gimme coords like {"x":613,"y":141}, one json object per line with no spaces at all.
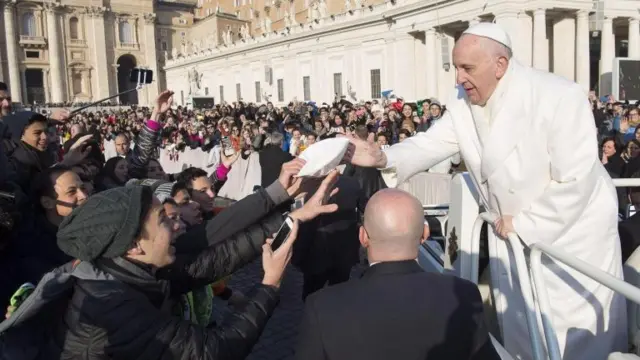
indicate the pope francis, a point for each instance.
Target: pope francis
{"x":528,"y":140}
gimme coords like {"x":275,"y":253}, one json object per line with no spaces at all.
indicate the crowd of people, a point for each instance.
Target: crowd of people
{"x":113,"y":257}
{"x":617,"y":123}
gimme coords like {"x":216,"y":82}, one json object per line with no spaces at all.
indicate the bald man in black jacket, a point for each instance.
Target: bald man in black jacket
{"x":396,"y":310}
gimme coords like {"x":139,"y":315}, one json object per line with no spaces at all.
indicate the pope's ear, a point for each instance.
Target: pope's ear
{"x":503,"y":64}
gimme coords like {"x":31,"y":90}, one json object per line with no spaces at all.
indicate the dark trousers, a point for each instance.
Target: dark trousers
{"x":315,"y":282}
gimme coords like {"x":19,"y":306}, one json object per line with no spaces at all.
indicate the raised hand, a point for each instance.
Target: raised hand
{"x":163,"y":104}
{"x":78,"y":151}
{"x":227,"y":161}
{"x":364,"y":153}
{"x":61,"y":115}
{"x":319,"y":203}
{"x":275,"y":262}
{"x":288,"y":172}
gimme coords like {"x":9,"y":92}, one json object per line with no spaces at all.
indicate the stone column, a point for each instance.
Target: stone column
{"x":509,"y":20}
{"x":151,"y":55}
{"x":420,"y":70}
{"x":97,"y":42}
{"x":23,"y":79}
{"x":46,"y":84}
{"x":583,"y":65}
{"x":404,"y":70}
{"x":431,"y":62}
{"x":540,"y":42}
{"x":634,"y":38}
{"x":56,"y":56}
{"x":564,"y":47}
{"x":15,"y":80}
{"x":607,"y":53}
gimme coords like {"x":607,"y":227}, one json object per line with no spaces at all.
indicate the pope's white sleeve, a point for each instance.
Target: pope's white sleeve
{"x":573,"y":153}
{"x":420,"y":152}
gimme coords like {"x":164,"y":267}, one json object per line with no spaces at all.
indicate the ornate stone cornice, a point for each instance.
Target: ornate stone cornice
{"x":53,"y":7}
{"x":95,"y":11}
{"x":9,"y":5}
{"x":149,"y":18}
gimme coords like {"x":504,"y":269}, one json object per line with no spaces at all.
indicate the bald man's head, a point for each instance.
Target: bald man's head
{"x":77,"y":129}
{"x":393,"y":226}
{"x":122,"y":144}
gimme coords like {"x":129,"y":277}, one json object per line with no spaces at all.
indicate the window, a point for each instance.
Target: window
{"x":77,"y":83}
{"x":163,"y":32}
{"x":28,"y":24}
{"x":258,"y":92}
{"x":306,"y":85}
{"x":32,"y":54}
{"x":281,"y":90}
{"x":181,"y":97}
{"x":74,"y":28}
{"x":238,"y":92}
{"x":376,"y":87}
{"x":337,"y":84}
{"x":221,"y":94}
{"x":206,"y":91}
{"x":163,"y":46}
{"x":126,"y":33}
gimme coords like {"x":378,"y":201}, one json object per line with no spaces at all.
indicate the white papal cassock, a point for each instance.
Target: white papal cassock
{"x":533,"y":154}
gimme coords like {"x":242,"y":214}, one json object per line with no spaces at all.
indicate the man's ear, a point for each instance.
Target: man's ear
{"x":425,"y":233}
{"x":363,"y":237}
{"x":503,"y":65}
{"x":47,"y":203}
{"x":136,"y":250}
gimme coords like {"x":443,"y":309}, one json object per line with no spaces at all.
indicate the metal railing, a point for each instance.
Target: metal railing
{"x":620,"y":286}
{"x":523,"y":277}
{"x":627,"y":290}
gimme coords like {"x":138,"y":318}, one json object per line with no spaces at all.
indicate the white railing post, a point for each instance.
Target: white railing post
{"x":522,"y":272}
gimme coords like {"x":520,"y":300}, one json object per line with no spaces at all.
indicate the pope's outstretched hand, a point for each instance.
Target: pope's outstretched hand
{"x":364,"y":153}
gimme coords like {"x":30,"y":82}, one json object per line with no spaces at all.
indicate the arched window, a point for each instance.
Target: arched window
{"x":126,"y":33}
{"x":28,"y":24}
{"x":74,"y":28}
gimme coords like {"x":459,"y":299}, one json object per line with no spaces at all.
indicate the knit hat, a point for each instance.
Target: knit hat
{"x":161,"y":188}
{"x":106,"y":225}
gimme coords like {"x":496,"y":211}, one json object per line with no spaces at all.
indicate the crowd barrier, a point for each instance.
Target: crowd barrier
{"x":429,"y":188}
{"x":110,"y":108}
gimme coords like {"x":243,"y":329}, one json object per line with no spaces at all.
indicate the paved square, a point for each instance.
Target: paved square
{"x":280,"y":336}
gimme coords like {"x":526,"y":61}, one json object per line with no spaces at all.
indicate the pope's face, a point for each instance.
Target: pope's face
{"x":478,"y":68}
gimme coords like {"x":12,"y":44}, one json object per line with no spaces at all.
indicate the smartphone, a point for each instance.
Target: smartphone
{"x":282,"y":234}
{"x":297,"y":204}
{"x":226,"y":146}
{"x":141,"y":76}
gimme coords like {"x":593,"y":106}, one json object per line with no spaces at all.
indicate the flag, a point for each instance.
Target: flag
{"x":388,"y":94}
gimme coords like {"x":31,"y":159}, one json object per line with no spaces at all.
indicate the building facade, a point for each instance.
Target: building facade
{"x":54,"y":51}
{"x":404,"y":46}
{"x":277,"y":14}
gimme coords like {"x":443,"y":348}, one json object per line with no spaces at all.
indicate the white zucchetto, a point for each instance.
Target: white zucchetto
{"x":491,"y":31}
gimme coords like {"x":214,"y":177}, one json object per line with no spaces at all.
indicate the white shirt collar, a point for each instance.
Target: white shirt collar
{"x":378,"y":262}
